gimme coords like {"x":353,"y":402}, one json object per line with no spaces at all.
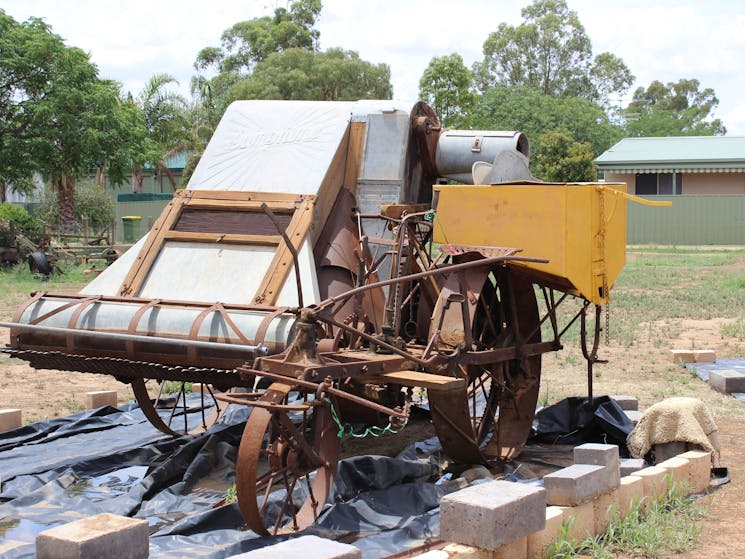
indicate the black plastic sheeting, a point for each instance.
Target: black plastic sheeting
{"x":574,"y":421}
{"x":112,"y":460}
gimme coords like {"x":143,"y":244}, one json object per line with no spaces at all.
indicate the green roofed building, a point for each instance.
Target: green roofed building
{"x":677,"y":165}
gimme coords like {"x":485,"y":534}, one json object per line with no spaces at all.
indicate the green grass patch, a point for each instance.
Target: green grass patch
{"x":670,"y":525}
{"x":735,"y":330}
{"x":657,"y":289}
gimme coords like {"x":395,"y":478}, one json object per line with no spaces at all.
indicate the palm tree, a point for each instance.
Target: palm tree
{"x":164,"y":111}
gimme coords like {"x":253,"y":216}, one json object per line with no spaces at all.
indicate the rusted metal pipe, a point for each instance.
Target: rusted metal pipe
{"x":434,"y":272}
{"x":259,"y":349}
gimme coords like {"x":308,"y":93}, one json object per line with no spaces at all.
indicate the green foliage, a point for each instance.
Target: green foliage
{"x":231,"y":495}
{"x":561,"y":159}
{"x":334,"y":75}
{"x":446,"y":86}
{"x":56,"y":116}
{"x":22,"y":222}
{"x":277,"y":57}
{"x":551,"y":53}
{"x":528,"y":110}
{"x":248,"y":42}
{"x":91,"y":202}
{"x":673,"y":109}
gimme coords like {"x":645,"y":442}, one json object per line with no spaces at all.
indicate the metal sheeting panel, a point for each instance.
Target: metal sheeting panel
{"x":116,"y":316}
{"x":692,"y":220}
{"x":206,"y":272}
{"x":309,"y":280}
{"x":110,"y":279}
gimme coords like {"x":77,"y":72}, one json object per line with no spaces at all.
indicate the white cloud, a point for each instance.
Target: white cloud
{"x":658,"y":39}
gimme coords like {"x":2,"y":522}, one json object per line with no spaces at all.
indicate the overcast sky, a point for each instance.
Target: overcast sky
{"x":658,"y":39}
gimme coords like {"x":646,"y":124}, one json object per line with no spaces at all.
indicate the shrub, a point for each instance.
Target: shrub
{"x":91,"y":201}
{"x":22,"y":221}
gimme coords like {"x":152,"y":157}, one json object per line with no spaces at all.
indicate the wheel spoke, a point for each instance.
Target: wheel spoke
{"x":293,"y":452}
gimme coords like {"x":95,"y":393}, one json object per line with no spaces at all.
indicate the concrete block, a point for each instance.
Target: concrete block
{"x":577,"y":484}
{"x":460,"y":551}
{"x":515,"y":550}
{"x":604,"y":507}
{"x":539,"y":542}
{"x":682,"y":356}
{"x":492,"y":514}
{"x":100,"y":398}
{"x":580,"y":521}
{"x":10,"y":418}
{"x":304,"y":546}
{"x":102,"y":535}
{"x":654,"y":479}
{"x":699,"y":469}
{"x":631,"y":465}
{"x":626,"y":402}
{"x":630,"y":493}
{"x":705,"y":355}
{"x":634,"y":415}
{"x":667,"y":450}
{"x":727,"y":381}
{"x":597,"y":454}
{"x":601,"y":455}
{"x":679,"y":468}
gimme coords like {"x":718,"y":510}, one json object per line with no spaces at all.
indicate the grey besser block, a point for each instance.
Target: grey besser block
{"x":577,"y":484}
{"x":727,"y":381}
{"x":492,"y":514}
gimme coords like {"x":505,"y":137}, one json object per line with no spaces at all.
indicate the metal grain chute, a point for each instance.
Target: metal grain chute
{"x":311,"y":262}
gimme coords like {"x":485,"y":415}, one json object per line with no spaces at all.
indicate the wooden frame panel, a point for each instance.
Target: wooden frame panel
{"x":301,"y":207}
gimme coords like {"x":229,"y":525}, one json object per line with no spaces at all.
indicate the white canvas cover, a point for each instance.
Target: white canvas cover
{"x":277,"y":146}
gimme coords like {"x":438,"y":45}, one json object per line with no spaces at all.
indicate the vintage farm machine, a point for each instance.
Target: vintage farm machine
{"x":312,"y":271}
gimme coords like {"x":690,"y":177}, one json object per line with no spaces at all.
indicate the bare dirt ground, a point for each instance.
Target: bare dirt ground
{"x":643,"y":369}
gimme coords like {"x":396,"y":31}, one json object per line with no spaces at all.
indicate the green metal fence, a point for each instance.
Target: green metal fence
{"x":692,"y":220}
{"x":146,"y":206}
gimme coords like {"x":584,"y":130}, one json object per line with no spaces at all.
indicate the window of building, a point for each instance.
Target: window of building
{"x":652,"y":184}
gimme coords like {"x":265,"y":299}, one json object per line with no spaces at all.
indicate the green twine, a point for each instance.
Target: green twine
{"x":431,"y":216}
{"x":346,"y":430}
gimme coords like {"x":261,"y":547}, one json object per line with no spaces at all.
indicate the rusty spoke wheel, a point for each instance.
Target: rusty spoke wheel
{"x":286,"y":463}
{"x":170,"y":398}
{"x":490,"y":419}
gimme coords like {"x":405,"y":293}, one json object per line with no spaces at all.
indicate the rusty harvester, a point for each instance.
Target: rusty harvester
{"x":311,"y":271}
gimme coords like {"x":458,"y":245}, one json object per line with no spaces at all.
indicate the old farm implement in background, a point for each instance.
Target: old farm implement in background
{"x":312,"y":272}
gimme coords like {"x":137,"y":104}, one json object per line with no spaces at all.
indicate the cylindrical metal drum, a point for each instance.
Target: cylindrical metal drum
{"x":458,"y":150}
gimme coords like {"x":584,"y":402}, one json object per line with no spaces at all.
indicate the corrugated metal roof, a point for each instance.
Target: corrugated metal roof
{"x":689,"y":153}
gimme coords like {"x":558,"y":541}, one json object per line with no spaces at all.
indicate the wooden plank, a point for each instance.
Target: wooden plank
{"x":245,"y":196}
{"x":279,"y":269}
{"x":285,"y":206}
{"x":354,"y":155}
{"x":187,"y":236}
{"x":329,"y":188}
{"x":417,"y":378}
{"x":149,"y":251}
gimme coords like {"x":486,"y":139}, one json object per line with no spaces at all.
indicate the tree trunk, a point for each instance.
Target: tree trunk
{"x":169,"y":175}
{"x":137,"y":179}
{"x":65,"y":187}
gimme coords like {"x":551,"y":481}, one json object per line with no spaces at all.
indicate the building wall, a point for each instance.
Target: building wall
{"x":714,"y":183}
{"x":630,"y":180}
{"x":693,"y":183}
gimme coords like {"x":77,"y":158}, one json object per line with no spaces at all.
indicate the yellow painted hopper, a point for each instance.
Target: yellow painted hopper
{"x":580,"y":228}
